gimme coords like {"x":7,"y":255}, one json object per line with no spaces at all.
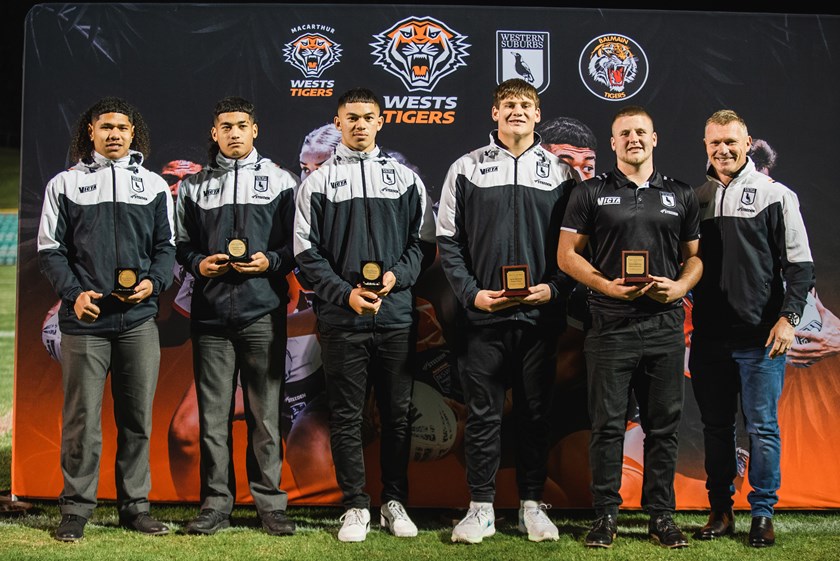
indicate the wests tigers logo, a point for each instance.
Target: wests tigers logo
{"x":312,"y":53}
{"x":613,"y":67}
{"x":420,"y":51}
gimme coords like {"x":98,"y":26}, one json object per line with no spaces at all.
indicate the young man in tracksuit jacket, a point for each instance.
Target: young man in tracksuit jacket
{"x":759,"y":270}
{"x":501,"y":205}
{"x":234,"y":235}
{"x":107,"y":224}
{"x":636,"y":342}
{"x":360,"y":207}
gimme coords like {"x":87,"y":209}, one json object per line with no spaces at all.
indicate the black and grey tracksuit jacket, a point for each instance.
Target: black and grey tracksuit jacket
{"x":495,"y":210}
{"x":249,"y":198}
{"x":99,"y":216}
{"x":756,"y":259}
{"x":361,"y":206}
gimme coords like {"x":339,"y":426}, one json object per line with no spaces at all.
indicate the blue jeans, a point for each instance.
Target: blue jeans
{"x":718,"y":375}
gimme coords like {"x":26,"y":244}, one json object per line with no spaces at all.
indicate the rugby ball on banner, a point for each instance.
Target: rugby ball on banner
{"x":810,"y":321}
{"x":434,"y":425}
{"x":50,"y":334}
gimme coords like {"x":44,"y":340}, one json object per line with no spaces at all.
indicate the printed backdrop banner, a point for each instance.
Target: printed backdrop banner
{"x":435,"y":68}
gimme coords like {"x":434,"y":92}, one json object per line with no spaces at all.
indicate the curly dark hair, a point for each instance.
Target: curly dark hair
{"x":82,"y":145}
{"x":230,"y":104}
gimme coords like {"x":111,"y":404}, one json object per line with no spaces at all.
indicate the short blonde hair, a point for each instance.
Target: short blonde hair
{"x":725,"y":116}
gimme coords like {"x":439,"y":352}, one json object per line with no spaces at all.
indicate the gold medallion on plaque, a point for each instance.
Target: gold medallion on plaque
{"x":237,"y":249}
{"x":372,"y":272}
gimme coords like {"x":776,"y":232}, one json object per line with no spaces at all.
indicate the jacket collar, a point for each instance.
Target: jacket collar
{"x":130,"y":161}
{"x":494,"y":140}
{"x":746,"y":170}
{"x":343,"y":152}
{"x":251,"y":160}
{"x":621,"y":180}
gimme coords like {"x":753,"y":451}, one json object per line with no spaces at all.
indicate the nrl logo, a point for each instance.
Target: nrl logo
{"x":312,"y":53}
{"x":748,"y":196}
{"x":420,"y":51}
{"x":668,"y":199}
{"x":613,"y":67}
{"x":389,"y":176}
{"x":525,"y":55}
{"x":261,"y":183}
{"x":137,"y":184}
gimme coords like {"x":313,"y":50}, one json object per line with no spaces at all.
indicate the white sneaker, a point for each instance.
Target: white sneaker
{"x":479,"y":523}
{"x":356,"y":525}
{"x":393,"y":517}
{"x":534,"y":521}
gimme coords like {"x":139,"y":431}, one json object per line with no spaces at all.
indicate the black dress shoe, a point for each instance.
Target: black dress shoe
{"x":71,"y":528}
{"x":144,"y":524}
{"x":761,"y":532}
{"x":663,"y":529}
{"x":603,"y":532}
{"x":208,"y":521}
{"x":277,"y":523}
{"x":719,"y":524}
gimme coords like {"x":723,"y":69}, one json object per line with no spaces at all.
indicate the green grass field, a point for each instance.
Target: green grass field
{"x":802,"y":536}
{"x":9,"y":178}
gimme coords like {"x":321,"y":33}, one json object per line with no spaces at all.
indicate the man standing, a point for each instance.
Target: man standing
{"x":106,"y":245}
{"x":759,"y":271}
{"x":234,"y":235}
{"x":360,"y":220}
{"x":636,"y":342}
{"x":498,"y":223}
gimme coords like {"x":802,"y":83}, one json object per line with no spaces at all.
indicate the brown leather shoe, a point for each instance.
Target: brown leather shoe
{"x":719,"y":524}
{"x":761,"y":532}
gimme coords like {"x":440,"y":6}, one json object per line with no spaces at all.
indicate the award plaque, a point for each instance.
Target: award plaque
{"x":237,"y":249}
{"x":635,"y":267}
{"x":372,"y":275}
{"x":125,"y":279}
{"x":515,"y":280}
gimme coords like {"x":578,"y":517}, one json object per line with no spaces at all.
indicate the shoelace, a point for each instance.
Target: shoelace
{"x":539,"y":514}
{"x":352,"y":516}
{"x":397,"y":510}
{"x":480,"y":515}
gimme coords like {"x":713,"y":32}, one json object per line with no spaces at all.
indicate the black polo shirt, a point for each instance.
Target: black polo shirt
{"x":618,"y":215}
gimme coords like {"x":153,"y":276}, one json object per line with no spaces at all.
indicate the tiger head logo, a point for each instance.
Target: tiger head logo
{"x":420,"y":51}
{"x":312,"y":53}
{"x":613,"y":65}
